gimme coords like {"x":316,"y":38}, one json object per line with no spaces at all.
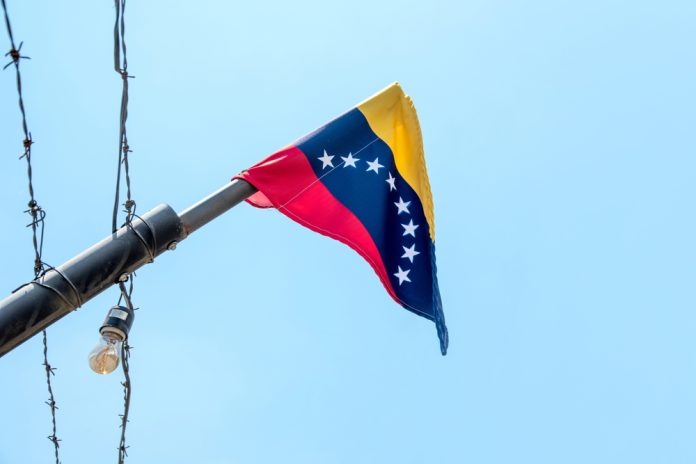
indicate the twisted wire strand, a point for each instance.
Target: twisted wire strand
{"x":121,"y":67}
{"x":125,"y":358}
{"x":38,"y":215}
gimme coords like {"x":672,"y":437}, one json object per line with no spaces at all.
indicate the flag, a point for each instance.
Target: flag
{"x":361,"y":179}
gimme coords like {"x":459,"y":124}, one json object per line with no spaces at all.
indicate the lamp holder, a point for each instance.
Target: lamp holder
{"x":118,"y":321}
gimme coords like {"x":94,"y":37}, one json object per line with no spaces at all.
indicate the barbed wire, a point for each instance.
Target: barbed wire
{"x":125,"y":357}
{"x":121,"y":67}
{"x":37,"y":213}
{"x":51,"y":400}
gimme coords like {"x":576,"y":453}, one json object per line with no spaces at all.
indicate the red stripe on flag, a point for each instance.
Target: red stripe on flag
{"x":286,"y":181}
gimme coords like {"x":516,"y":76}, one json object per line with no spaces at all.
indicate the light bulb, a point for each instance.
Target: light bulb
{"x":104,"y":357}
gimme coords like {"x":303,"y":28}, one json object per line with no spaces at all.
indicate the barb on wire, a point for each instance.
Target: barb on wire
{"x":38,"y":215}
{"x":15,"y":56}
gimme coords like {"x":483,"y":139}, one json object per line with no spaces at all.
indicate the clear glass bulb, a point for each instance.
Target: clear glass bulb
{"x":104,"y":357}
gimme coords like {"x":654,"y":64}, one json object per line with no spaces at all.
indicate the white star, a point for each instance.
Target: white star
{"x":391,"y":181}
{"x":374,"y":166}
{"x":349,"y":160}
{"x":410,"y":252}
{"x":402,"y":207}
{"x":402,"y":275}
{"x":326,"y":160}
{"x":410,"y":228}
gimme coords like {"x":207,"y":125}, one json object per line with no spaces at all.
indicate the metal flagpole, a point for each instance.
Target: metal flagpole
{"x":41,"y":302}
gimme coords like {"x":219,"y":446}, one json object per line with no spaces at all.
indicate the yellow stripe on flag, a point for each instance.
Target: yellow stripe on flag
{"x":393,"y":118}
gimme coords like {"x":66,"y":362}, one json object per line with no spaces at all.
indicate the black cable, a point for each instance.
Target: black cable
{"x":125,"y":357}
{"x":121,"y":67}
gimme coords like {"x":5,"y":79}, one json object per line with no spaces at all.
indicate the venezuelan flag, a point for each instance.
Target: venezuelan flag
{"x":361,"y":179}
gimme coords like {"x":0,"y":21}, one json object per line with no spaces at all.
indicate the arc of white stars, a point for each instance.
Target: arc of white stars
{"x":326,"y":160}
{"x":410,"y":228}
{"x":374,"y":166}
{"x":402,"y":206}
{"x":392,"y":182}
{"x":349,"y":160}
{"x":402,"y":275}
{"x":410,"y":253}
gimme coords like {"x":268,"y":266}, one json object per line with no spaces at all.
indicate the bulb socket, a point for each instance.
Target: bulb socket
{"x":119,"y":321}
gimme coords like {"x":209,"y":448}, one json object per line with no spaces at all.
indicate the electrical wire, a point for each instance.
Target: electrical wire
{"x":121,"y":67}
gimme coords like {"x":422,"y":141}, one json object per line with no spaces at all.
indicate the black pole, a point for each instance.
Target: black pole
{"x":212,"y":206}
{"x":38,"y":304}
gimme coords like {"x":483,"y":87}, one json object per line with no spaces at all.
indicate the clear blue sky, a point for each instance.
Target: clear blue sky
{"x":559,"y":137}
